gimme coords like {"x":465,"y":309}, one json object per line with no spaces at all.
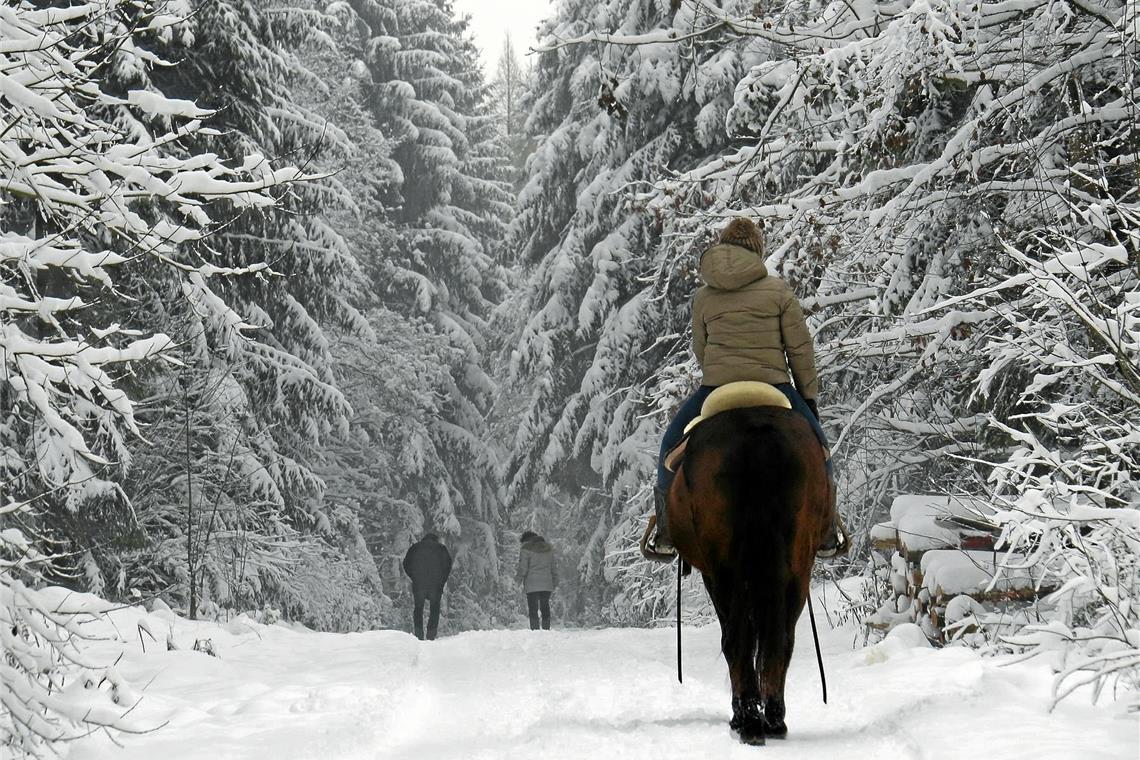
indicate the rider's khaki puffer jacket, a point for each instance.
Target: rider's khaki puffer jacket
{"x":748,"y":325}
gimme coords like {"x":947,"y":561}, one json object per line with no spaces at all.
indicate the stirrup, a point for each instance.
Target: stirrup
{"x":650,"y":550}
{"x":837,"y":549}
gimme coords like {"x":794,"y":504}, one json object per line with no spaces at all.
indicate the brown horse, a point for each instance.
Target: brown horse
{"x":748,"y":508}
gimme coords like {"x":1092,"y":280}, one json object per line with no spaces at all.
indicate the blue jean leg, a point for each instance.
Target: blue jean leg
{"x":801,"y":406}
{"x":688,"y":412}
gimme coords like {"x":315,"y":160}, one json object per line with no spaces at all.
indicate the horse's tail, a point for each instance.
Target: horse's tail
{"x":763,"y":477}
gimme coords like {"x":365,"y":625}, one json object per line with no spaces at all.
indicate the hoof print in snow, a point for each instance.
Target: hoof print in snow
{"x":205,"y":646}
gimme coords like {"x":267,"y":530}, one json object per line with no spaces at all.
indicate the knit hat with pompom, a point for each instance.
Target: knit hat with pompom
{"x":743,"y":232}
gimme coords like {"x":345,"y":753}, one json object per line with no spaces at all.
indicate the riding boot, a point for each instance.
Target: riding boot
{"x":656,"y":544}
{"x":836,"y":543}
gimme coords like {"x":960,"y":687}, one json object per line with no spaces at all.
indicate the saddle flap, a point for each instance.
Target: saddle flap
{"x":676,"y":454}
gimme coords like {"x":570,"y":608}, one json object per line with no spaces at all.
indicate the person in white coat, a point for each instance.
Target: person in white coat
{"x":538,"y":575}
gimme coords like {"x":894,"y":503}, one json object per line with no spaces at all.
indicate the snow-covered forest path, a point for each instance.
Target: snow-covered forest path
{"x":278,"y":694}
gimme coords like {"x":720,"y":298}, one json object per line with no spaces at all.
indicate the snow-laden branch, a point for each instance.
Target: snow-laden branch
{"x":99,"y":193}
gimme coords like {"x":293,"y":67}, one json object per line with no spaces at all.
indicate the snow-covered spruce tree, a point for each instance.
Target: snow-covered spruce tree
{"x":437,"y":275}
{"x":91,"y":203}
{"x":52,"y":691}
{"x":394,"y":374}
{"x":511,"y":100}
{"x":509,"y":88}
{"x":272,"y":384}
{"x":363,"y":478}
{"x":605,"y":312}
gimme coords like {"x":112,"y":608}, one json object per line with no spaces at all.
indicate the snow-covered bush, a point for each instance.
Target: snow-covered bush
{"x":51,"y":691}
{"x":1070,"y":483}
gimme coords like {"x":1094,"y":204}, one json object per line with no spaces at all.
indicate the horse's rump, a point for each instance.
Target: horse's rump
{"x":754,"y":465}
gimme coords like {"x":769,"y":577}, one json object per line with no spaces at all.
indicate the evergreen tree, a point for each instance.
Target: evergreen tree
{"x":511,"y":98}
{"x":439,"y":279}
{"x":509,"y":87}
{"x":108,"y":191}
{"x":224,"y":514}
{"x":607,"y":297}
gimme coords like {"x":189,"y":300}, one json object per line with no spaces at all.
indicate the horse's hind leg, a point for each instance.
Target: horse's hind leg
{"x":775,"y":677}
{"x":737,"y":643}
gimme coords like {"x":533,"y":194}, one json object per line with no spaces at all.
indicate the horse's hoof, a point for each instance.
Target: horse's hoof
{"x":753,"y":736}
{"x":751,"y":729}
{"x":748,"y":721}
{"x":776,"y":729}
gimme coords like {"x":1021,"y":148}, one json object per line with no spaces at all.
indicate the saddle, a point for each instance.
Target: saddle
{"x":731,"y":396}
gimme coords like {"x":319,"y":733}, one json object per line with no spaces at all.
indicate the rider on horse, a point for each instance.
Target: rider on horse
{"x":747,"y":325}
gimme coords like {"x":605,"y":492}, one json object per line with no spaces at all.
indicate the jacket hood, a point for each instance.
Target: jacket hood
{"x":728,"y":267}
{"x":538,"y":545}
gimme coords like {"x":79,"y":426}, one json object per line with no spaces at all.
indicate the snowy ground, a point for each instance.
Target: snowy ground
{"x":278,"y":693}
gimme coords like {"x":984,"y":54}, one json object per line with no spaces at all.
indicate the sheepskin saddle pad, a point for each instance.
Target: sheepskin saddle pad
{"x":731,"y":396}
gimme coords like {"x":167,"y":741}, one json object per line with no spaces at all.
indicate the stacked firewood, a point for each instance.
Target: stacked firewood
{"x":945,"y":573}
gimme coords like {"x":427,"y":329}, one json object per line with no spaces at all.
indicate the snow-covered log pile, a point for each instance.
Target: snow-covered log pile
{"x":1044,"y":576}
{"x":940,"y":557}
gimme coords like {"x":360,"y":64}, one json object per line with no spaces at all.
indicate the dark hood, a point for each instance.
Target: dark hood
{"x":729,"y":267}
{"x":538,"y":546}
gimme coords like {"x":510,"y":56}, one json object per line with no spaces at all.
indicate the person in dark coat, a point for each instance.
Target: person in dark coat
{"x":427,"y":563}
{"x":539,"y":576}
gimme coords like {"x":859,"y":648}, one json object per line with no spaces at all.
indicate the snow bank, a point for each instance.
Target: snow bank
{"x":282,"y":694}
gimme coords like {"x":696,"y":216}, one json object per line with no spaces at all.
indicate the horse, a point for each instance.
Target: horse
{"x":748,"y":507}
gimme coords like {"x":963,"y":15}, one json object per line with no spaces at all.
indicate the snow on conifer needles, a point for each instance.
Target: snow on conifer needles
{"x":92,"y":198}
{"x":234,"y":471}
